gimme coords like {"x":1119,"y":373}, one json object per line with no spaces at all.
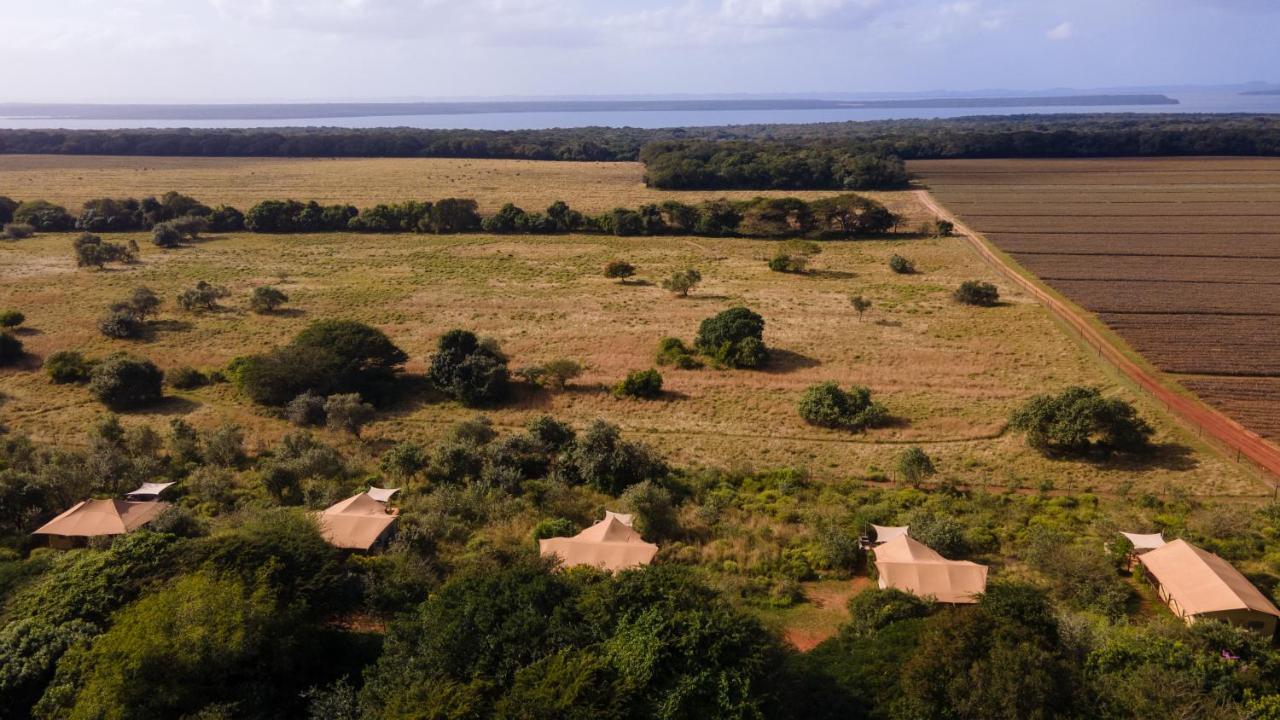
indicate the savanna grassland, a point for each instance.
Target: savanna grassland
{"x":1179,"y":256}
{"x":949,"y":374}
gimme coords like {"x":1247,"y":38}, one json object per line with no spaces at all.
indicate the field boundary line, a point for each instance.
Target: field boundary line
{"x":1190,"y":410}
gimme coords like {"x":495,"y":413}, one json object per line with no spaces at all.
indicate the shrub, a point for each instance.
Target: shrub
{"x":860,"y":305}
{"x":874,"y":609}
{"x":306,"y":409}
{"x":17,"y":231}
{"x":937,"y":228}
{"x":619,"y":269}
{"x":734,"y":338}
{"x":788,"y":263}
{"x":143,"y":302}
{"x":654,"y":512}
{"x":826,"y":405}
{"x":202,"y":297}
{"x":559,"y":527}
{"x":67,"y":366}
{"x":190,"y":226}
{"x":92,"y":251}
{"x":553,"y":375}
{"x":122,"y":382}
{"x":1080,"y":421}
{"x":974,"y":292}
{"x":186,"y":378}
{"x":120,"y":325}
{"x":266,"y":299}
{"x":10,"y":349}
{"x":901,"y":265}
{"x":347,"y":412}
{"x":599,"y":457}
{"x":682,"y":282}
{"x":165,"y":235}
{"x":672,"y":351}
{"x":224,"y":447}
{"x":640,"y":384}
{"x":404,"y":460}
{"x":44,"y":216}
{"x":11,"y":318}
{"x":467,"y":370}
{"x":914,"y":465}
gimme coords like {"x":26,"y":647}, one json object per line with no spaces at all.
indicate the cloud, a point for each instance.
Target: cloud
{"x":1062,"y":31}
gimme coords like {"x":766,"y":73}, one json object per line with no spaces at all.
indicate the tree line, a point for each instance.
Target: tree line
{"x":174,"y":218}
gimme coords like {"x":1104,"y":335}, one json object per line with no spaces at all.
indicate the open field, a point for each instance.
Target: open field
{"x":949,"y":374}
{"x":241,"y":182}
{"x":1179,"y":256}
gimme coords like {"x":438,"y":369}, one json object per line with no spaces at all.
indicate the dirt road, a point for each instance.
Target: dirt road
{"x":1195,"y":414}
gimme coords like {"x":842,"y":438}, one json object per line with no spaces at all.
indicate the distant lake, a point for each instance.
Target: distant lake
{"x":662,"y":118}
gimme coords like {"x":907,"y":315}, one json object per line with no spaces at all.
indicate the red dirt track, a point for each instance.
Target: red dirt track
{"x":1205,"y":419}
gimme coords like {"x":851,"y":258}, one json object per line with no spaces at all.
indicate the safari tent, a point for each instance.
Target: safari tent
{"x":358,"y":523}
{"x":97,"y":518}
{"x":610,"y":544}
{"x":1198,"y":585}
{"x":911,"y":566}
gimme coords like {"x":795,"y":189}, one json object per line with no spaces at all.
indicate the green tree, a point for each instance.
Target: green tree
{"x":11,"y":318}
{"x":471,"y":372}
{"x":645,"y":384}
{"x":267,"y":299}
{"x":67,"y":366}
{"x":826,"y":405}
{"x":860,"y":305}
{"x":914,"y":465}
{"x":901,"y":265}
{"x":122,"y":382}
{"x":619,"y":269}
{"x":734,"y":337}
{"x":1080,"y":421}
{"x":599,"y":457}
{"x":682,"y":282}
{"x":348,"y":413}
{"x":974,"y":292}
{"x":653,"y":510}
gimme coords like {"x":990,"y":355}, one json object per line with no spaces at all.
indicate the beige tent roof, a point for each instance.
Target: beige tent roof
{"x":609,"y":544}
{"x":1145,"y":542}
{"x":151,"y":489}
{"x":355,"y":523}
{"x":909,"y":565}
{"x":1201,"y":582}
{"x":885,"y":533}
{"x":624,"y":518}
{"x":92,"y":518}
{"x":381,"y":494}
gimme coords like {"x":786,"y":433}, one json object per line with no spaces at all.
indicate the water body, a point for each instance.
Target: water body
{"x":649,"y":114}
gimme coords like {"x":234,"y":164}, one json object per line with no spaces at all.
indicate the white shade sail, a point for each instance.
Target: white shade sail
{"x":1145,"y":542}
{"x":153,"y":489}
{"x":381,"y":494}
{"x":885,"y":533}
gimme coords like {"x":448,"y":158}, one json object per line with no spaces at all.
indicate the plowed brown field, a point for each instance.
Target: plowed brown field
{"x":1181,"y":257}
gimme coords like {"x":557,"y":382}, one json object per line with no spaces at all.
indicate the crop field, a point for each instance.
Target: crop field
{"x":1181,"y":257}
{"x":948,"y":373}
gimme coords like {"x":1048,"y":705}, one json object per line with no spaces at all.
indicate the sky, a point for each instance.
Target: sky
{"x":290,"y":50}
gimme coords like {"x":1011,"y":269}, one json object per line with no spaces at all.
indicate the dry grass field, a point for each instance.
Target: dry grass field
{"x":1179,"y":256}
{"x":949,"y":374}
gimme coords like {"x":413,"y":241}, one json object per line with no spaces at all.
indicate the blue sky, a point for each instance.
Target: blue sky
{"x":276,"y":50}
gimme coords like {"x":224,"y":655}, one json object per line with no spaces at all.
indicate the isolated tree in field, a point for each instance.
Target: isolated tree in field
{"x":645,"y":384}
{"x":553,"y":375}
{"x":1080,"y":421}
{"x":901,"y":265}
{"x":860,"y":305}
{"x":329,"y":356}
{"x":143,"y":303}
{"x":619,"y":270}
{"x":120,"y":325}
{"x":734,"y":338}
{"x":10,"y":349}
{"x":17,"y":231}
{"x":266,"y":299}
{"x":11,"y":318}
{"x":93,"y":251}
{"x":974,"y":292}
{"x":826,"y":405}
{"x":682,"y":282}
{"x":122,"y":382}
{"x":469,"y":371}
{"x":347,"y":412}
{"x":67,"y":366}
{"x":165,"y":235}
{"x":202,"y":297}
{"x":914,"y":465}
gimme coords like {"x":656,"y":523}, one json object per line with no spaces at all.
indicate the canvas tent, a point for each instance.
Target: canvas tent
{"x":885,"y":533}
{"x":149,"y":491}
{"x":1143,"y":543}
{"x":1198,"y":585}
{"x":624,"y":518}
{"x":909,"y":565}
{"x":357,"y":523}
{"x":381,"y":494}
{"x":95,"y":518}
{"x":609,"y":544}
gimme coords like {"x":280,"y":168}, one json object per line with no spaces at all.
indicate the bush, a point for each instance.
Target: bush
{"x":17,"y":231}
{"x":10,"y":349}
{"x":682,"y":282}
{"x":654,"y":512}
{"x":266,"y":299}
{"x":330,"y":356}
{"x":11,"y":318}
{"x":404,"y":460}
{"x":599,"y":457}
{"x":874,"y":609}
{"x":672,"y":351}
{"x":142,"y":303}
{"x":186,"y":378}
{"x":44,"y":216}
{"x":553,"y":375}
{"x":202,"y":297}
{"x":467,"y":370}
{"x":826,"y":405}
{"x":166,"y":235}
{"x":901,"y":265}
{"x":92,"y":251}
{"x":788,"y":263}
{"x":122,"y":382}
{"x":734,"y":338}
{"x":306,"y":410}
{"x":1080,"y":421}
{"x":120,"y":325}
{"x":67,"y":366}
{"x":914,"y":465}
{"x":619,"y":269}
{"x":559,"y":527}
{"x":645,"y":384}
{"x":347,"y":412}
{"x":974,"y":292}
